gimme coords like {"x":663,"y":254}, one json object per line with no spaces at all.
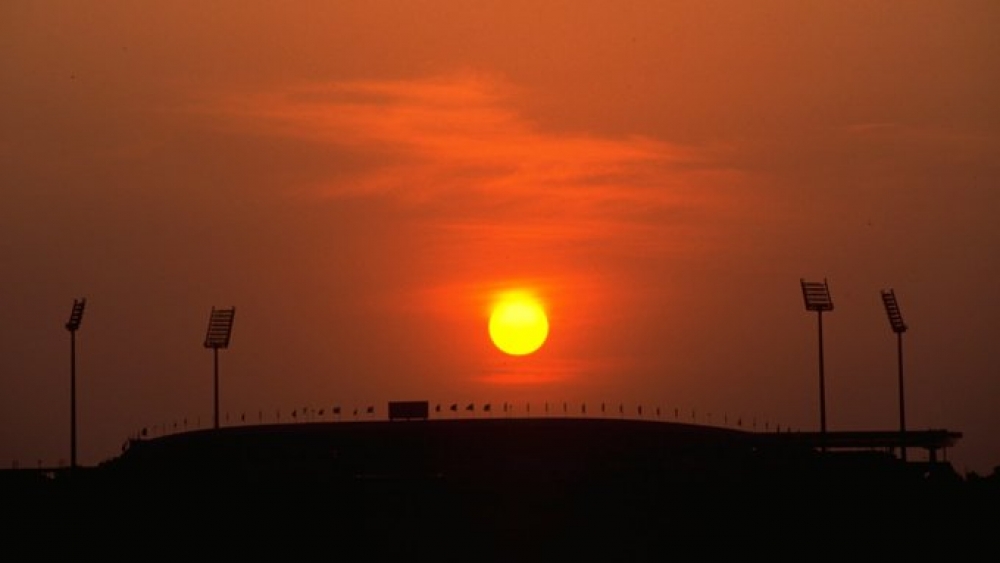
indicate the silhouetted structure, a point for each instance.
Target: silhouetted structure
{"x":75,"y":318}
{"x":509,"y":488}
{"x":817,"y":298}
{"x":491,"y":451}
{"x":898,"y":327}
{"x":220,"y":328}
{"x":409,"y":410}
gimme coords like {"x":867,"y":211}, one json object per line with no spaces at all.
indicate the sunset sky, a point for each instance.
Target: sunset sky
{"x":362,"y":178}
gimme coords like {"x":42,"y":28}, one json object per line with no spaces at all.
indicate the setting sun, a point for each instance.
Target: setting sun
{"x":518,"y":324}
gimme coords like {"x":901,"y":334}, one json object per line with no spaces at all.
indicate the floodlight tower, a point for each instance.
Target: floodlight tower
{"x":75,"y":316}
{"x":899,"y":327}
{"x":220,"y":327}
{"x":817,"y":298}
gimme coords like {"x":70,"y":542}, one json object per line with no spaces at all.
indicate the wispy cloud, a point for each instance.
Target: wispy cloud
{"x":459,"y":138}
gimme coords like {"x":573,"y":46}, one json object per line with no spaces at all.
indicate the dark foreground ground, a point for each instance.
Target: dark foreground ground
{"x":500,"y":490}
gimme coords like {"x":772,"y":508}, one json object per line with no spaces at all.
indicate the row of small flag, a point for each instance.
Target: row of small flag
{"x":453,"y":407}
{"x":507,"y":407}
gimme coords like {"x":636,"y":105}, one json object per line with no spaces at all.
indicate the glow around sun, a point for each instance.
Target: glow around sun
{"x":518,"y":324}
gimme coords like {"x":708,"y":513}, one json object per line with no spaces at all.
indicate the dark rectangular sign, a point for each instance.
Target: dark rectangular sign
{"x":406,"y":410}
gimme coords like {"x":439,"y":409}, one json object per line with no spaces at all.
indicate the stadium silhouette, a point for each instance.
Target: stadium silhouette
{"x":416,"y":486}
{"x":521,"y":488}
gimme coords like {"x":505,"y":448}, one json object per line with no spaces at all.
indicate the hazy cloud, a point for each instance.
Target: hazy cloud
{"x":461,"y":137}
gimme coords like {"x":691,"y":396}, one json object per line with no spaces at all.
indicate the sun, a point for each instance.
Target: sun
{"x":518,"y":324}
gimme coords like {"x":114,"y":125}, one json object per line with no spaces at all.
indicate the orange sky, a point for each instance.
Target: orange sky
{"x":358,"y":178}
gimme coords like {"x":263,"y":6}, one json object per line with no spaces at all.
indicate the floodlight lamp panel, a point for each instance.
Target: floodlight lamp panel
{"x":816,"y":296}
{"x":76,"y":315}
{"x":892,"y":311}
{"x":220,"y":327}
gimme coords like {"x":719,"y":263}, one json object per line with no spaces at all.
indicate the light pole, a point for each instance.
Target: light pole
{"x":220,"y":327}
{"x":817,"y":298}
{"x":75,"y":316}
{"x":898,"y":327}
